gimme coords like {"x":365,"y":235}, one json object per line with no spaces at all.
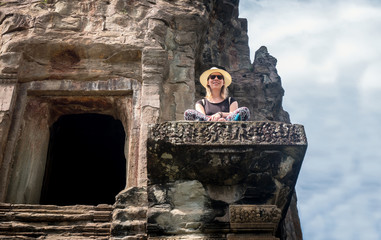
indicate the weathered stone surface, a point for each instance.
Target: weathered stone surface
{"x":253,"y":214}
{"x":7,"y":100}
{"x":226,"y":41}
{"x":6,"y":94}
{"x":229,"y":133}
{"x":15,"y":22}
{"x":260,"y":89}
{"x":264,"y":218}
{"x":131,"y":197}
{"x":228,"y":169}
{"x":189,"y":236}
{"x":182,"y":209}
{"x":250,"y":236}
{"x":290,"y":228}
{"x":24,"y":221}
{"x":129,"y":219}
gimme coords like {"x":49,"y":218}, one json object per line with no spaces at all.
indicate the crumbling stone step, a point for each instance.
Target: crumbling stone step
{"x":40,"y":227}
{"x":130,"y":213}
{"x":50,"y":213}
{"x":125,"y":228}
{"x":34,"y":236}
{"x":45,"y":217}
{"x":53,"y":208}
{"x":24,"y":221}
{"x":135,"y":237}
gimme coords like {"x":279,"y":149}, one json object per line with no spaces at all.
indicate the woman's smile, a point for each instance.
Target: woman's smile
{"x":215,"y":80}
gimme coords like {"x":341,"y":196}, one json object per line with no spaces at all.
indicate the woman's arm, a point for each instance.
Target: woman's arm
{"x":200,"y":108}
{"x":233,"y":106}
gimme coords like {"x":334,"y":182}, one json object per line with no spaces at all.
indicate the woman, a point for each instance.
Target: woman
{"x":216,"y":106}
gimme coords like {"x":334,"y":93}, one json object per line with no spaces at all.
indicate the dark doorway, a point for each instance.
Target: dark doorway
{"x":86,"y":162}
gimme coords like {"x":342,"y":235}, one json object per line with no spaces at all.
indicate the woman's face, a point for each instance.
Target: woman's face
{"x":216,"y":80}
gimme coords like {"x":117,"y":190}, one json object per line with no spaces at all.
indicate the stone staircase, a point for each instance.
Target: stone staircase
{"x":25,"y":221}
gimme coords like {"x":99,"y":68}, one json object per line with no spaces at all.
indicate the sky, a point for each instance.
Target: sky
{"x":329,"y":60}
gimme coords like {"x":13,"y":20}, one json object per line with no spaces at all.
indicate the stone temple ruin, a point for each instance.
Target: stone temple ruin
{"x":93,"y":146}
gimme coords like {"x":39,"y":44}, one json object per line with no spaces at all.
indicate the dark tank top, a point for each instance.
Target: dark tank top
{"x":212,"y":108}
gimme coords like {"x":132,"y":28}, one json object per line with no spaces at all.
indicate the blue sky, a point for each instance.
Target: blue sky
{"x":329,"y":59}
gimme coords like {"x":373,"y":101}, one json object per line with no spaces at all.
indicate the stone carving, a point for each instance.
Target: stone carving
{"x":250,"y":236}
{"x":187,"y":237}
{"x":234,"y":133}
{"x":254,"y":214}
{"x":261,"y":218}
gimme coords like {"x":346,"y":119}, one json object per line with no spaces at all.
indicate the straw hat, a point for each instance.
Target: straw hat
{"x":204,"y":76}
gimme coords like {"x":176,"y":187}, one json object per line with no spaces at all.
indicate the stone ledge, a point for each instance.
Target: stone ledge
{"x":224,"y":153}
{"x":228,"y":133}
{"x":113,"y":86}
{"x":249,"y":168}
{"x":8,"y":78}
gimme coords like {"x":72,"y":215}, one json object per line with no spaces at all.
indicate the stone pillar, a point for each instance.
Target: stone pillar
{"x":153,"y":70}
{"x":7,"y":100}
{"x":7,"y":97}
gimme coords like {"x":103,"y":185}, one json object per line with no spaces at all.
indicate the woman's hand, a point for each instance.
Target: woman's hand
{"x":216,"y":117}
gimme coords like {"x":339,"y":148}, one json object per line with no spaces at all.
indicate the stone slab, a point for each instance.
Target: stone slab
{"x":229,"y":133}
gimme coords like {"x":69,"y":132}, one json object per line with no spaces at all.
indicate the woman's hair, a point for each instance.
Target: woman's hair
{"x":224,"y":92}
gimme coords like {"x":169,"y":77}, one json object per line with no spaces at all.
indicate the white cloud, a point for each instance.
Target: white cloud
{"x":371,"y":79}
{"x":357,"y":12}
{"x":329,"y":58}
{"x":320,"y":35}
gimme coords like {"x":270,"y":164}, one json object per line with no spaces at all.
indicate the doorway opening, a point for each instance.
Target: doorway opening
{"x":86,"y":163}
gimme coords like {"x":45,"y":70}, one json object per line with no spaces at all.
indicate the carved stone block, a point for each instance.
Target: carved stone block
{"x":249,"y":236}
{"x":187,"y":237}
{"x":264,"y":218}
{"x":229,"y":133}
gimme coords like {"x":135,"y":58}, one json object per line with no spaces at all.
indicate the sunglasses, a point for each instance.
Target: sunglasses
{"x":214,"y":76}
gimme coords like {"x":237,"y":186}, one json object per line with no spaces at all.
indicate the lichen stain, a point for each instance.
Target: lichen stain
{"x":166,"y":156}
